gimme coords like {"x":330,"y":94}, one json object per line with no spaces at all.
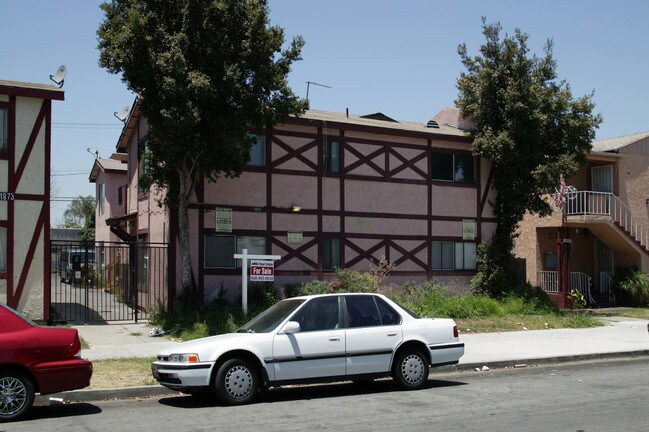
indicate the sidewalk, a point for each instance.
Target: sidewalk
{"x":622,"y":337}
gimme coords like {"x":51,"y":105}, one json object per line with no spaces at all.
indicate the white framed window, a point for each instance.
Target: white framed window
{"x":465,"y":256}
{"x":101,"y":198}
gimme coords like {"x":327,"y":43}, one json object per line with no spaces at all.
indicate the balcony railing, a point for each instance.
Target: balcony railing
{"x":549,"y":282}
{"x":607,"y":204}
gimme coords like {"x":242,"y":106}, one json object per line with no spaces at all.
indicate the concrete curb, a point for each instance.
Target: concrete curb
{"x":157,"y":390}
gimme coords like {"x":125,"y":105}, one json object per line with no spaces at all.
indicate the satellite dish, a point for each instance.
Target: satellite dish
{"x":59,"y":76}
{"x":93,"y":151}
{"x":123,"y":114}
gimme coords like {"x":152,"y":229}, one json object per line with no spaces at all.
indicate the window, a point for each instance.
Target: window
{"x":120,"y":195}
{"x":318,"y":314}
{"x":362,"y":311}
{"x":331,"y":253}
{"x":142,"y":152}
{"x":101,"y":198}
{"x":442,"y":255}
{"x":550,"y":261}
{"x":3,"y":250}
{"x":465,"y":256}
{"x":388,"y":315}
{"x":331,"y":155}
{"x":448,"y":255}
{"x":220,"y":249}
{"x":258,"y":151}
{"x":4,"y":130}
{"x":455,"y":167}
{"x":254,"y":245}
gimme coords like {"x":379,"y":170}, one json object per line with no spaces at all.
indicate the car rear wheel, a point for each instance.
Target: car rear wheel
{"x":236,"y":382}
{"x":16,"y":395}
{"x":411,"y":370}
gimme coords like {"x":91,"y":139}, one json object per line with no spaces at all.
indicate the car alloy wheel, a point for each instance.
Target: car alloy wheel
{"x":236,"y":382}
{"x":16,"y":395}
{"x":411,"y":370}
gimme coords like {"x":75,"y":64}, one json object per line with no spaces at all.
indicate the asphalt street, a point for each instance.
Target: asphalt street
{"x":587,"y":396}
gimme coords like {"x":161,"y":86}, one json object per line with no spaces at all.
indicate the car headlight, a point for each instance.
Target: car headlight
{"x":184,"y":358}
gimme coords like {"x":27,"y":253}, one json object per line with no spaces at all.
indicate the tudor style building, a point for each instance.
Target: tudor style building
{"x":323,"y":191}
{"x":25,"y":126}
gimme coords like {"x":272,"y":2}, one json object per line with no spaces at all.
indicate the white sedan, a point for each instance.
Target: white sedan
{"x":317,"y":338}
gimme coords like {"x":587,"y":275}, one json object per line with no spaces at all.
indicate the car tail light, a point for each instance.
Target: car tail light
{"x":456,"y":333}
{"x":74,"y":350}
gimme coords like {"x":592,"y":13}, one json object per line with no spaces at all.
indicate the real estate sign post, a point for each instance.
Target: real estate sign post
{"x":262,"y":268}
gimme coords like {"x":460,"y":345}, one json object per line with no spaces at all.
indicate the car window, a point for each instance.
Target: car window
{"x":8,"y":310}
{"x":388,"y":315}
{"x":318,"y":314}
{"x":271,"y":317}
{"x":362,"y":311}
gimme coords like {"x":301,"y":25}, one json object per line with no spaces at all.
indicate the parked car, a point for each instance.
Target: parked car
{"x":318,"y":338}
{"x":36,"y":359}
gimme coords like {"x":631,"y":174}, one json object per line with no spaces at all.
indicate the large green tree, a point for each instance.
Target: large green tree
{"x":208,"y":72}
{"x":81,"y":214}
{"x":531,"y":129}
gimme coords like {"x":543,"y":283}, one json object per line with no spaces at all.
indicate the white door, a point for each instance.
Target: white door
{"x":318,"y":349}
{"x":373,"y":334}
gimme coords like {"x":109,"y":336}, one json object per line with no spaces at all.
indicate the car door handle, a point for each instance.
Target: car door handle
{"x":334,"y":338}
{"x":392,"y":333}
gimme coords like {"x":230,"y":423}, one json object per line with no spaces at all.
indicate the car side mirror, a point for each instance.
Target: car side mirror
{"x":291,"y":327}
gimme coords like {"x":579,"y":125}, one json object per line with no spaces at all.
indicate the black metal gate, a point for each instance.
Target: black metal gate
{"x":105,"y":281}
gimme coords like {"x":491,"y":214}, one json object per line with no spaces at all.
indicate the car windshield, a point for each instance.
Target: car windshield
{"x":269,"y":319}
{"x":18,"y":314}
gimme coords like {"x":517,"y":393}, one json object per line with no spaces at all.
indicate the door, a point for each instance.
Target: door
{"x":601,"y":178}
{"x":603,"y":267}
{"x":373,"y":334}
{"x":318,"y":349}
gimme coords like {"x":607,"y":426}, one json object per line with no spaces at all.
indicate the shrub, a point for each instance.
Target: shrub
{"x":577,"y":299}
{"x":631,"y":286}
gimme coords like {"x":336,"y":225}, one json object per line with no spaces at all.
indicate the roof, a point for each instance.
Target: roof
{"x":616,"y":143}
{"x":452,"y":117}
{"x":342,"y":118}
{"x":26,"y":89}
{"x":116,"y":164}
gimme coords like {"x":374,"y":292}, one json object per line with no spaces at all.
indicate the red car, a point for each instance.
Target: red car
{"x":36,"y":359}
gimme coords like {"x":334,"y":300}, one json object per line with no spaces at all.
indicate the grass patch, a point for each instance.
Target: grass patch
{"x":123,"y":372}
{"x":136,"y":334}
{"x":640,"y":313}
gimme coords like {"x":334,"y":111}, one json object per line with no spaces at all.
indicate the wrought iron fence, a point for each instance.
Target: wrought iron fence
{"x":107,"y":281}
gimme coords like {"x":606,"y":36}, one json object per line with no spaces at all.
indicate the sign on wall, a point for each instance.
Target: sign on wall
{"x":468,"y":229}
{"x":262,"y":271}
{"x":223,"y":219}
{"x":295,"y":237}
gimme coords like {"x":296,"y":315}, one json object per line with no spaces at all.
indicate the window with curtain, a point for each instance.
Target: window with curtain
{"x":258,"y":151}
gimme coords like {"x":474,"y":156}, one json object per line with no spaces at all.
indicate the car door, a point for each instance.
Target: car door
{"x":318,"y":349}
{"x":373,"y":333}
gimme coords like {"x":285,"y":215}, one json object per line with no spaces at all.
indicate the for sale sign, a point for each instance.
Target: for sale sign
{"x":262,"y":271}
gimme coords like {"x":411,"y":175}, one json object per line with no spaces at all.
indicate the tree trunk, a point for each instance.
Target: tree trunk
{"x":183,"y":235}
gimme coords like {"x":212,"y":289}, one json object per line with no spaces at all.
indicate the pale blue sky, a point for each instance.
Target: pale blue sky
{"x":397,"y":57}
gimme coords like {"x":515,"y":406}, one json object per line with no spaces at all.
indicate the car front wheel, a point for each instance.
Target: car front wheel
{"x":16,"y":395}
{"x":236,"y":382}
{"x":411,"y":370}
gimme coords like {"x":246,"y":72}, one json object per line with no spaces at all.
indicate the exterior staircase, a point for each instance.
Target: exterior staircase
{"x":609,"y":207}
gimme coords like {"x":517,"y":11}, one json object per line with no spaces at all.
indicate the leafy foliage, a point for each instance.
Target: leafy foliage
{"x":207,"y":71}
{"x":631,"y":286}
{"x":81,"y":214}
{"x":531,"y":129}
